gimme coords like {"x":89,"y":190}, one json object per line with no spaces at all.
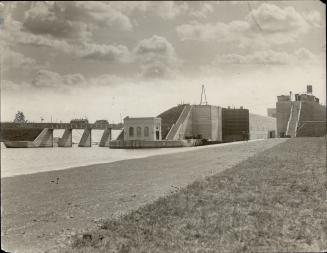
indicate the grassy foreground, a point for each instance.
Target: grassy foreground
{"x":274,"y":201}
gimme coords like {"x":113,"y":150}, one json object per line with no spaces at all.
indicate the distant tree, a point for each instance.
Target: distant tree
{"x":20,"y":117}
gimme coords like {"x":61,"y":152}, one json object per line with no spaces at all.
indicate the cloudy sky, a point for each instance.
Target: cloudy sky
{"x":107,"y":60}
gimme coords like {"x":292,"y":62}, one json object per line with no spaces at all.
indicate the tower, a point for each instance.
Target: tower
{"x":203,"y":95}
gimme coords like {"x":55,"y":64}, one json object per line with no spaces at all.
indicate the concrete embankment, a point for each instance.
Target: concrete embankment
{"x":40,"y":210}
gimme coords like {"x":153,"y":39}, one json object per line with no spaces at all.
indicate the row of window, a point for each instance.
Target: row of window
{"x":138,"y":131}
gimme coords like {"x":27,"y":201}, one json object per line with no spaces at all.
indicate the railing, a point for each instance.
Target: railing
{"x":8,"y":125}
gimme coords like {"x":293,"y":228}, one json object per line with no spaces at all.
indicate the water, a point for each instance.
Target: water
{"x":19,"y":161}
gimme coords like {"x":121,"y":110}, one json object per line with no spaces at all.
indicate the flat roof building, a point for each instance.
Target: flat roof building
{"x":147,"y":128}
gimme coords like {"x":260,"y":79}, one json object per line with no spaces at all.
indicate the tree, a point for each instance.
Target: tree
{"x":20,"y":117}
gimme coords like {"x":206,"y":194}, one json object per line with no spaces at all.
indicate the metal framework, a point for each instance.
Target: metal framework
{"x":203,"y":95}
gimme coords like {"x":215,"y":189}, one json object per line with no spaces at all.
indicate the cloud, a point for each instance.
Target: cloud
{"x":266,"y":25}
{"x":13,"y":60}
{"x":314,"y":18}
{"x":51,"y":19}
{"x":105,"y":52}
{"x":270,"y":18}
{"x":46,"y":79}
{"x":72,"y":20}
{"x":13,"y":33}
{"x":164,"y":9}
{"x":51,"y":80}
{"x":157,"y":57}
{"x":102,"y":13}
{"x":202,"y":12}
{"x":269,"y":57}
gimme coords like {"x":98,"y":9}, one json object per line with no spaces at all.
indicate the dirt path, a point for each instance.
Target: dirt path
{"x":38,"y":215}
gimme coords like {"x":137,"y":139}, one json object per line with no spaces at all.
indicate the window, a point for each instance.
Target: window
{"x":139,"y":131}
{"x":146,"y":131}
{"x":131,"y":132}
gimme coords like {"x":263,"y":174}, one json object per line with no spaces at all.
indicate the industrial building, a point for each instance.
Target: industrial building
{"x":300,"y":115}
{"x":207,"y":123}
{"x":142,"y":129}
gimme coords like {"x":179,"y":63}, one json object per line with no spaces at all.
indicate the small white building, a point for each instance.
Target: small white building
{"x":148,"y":128}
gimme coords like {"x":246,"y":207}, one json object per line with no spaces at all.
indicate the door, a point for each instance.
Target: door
{"x":157,"y":135}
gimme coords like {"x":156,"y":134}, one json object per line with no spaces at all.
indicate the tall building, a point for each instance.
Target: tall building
{"x":303,"y":116}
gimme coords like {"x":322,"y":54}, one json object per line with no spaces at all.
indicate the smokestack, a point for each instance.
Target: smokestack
{"x":309,"y":89}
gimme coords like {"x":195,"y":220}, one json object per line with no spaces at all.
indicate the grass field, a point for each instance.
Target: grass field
{"x":274,"y":201}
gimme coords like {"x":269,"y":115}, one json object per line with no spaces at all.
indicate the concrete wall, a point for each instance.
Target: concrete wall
{"x":235,"y":124}
{"x":154,"y":144}
{"x":283,"y":111}
{"x":206,"y":121}
{"x":310,"y":111}
{"x":154,"y":124}
{"x":260,"y":126}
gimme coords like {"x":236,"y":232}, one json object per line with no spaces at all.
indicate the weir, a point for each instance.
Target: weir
{"x":44,"y":139}
{"x":67,"y":139}
{"x":86,"y":138}
{"x":106,"y":138}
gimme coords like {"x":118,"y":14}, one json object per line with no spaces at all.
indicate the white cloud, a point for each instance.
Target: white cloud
{"x":266,"y":25}
{"x":164,"y":9}
{"x":13,"y":60}
{"x":51,"y":18}
{"x":50,"y":79}
{"x":54,"y":81}
{"x":157,"y":57}
{"x":105,"y":52}
{"x":202,"y":12}
{"x":270,"y":57}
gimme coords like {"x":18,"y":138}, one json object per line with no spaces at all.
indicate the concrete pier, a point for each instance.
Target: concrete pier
{"x":67,"y":139}
{"x":106,"y":138}
{"x":44,"y":139}
{"x":86,"y":138}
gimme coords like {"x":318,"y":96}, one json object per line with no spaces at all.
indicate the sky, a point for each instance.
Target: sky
{"x":109,"y":60}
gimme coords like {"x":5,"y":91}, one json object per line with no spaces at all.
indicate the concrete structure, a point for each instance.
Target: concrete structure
{"x":86,"y":140}
{"x":271,"y":112}
{"x":206,"y":123}
{"x":45,"y":137}
{"x":262,"y":127}
{"x":193,"y":121}
{"x":303,"y":116}
{"x":153,"y":144}
{"x":148,"y":129}
{"x":106,"y":138}
{"x":43,"y":140}
{"x":235,"y":124}
{"x":67,"y":139}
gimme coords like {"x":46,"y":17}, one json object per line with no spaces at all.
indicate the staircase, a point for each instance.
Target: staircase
{"x":293,"y":121}
{"x":176,"y":130}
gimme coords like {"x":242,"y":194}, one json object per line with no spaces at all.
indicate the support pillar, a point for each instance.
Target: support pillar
{"x":44,"y":139}
{"x":86,"y":138}
{"x":67,"y":139}
{"x":106,"y":138}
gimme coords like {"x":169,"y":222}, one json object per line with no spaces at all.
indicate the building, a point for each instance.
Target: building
{"x":262,"y":127}
{"x":235,"y":124}
{"x":148,"y":129}
{"x":271,"y":112}
{"x":303,"y":116}
{"x":192,"y":122}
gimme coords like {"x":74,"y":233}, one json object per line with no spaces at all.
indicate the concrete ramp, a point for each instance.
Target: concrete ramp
{"x":44,"y":139}
{"x":66,"y":139}
{"x":293,"y":121}
{"x":106,"y":138}
{"x":86,"y":138}
{"x":177,"y":131}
